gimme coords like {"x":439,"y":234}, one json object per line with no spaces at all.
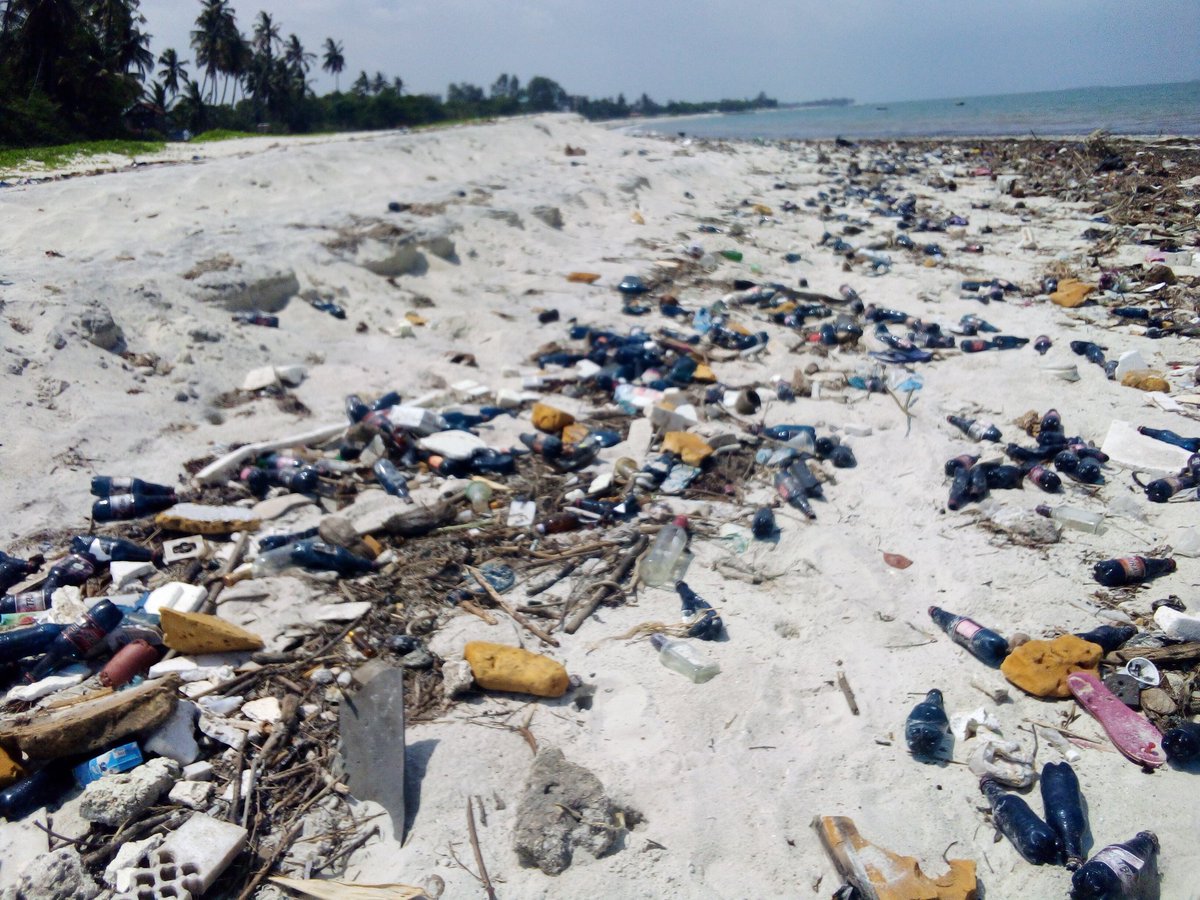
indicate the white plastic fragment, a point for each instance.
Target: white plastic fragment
{"x":342,"y":612}
{"x":51,"y":684}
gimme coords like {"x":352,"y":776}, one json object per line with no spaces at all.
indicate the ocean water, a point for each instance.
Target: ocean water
{"x":1152,"y":109}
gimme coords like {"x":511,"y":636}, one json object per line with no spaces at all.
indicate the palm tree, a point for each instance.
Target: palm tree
{"x":191,"y":108}
{"x":174,"y":72}
{"x":379,"y":83}
{"x":297,"y":58}
{"x":156,"y":93}
{"x":266,"y":35}
{"x":334,"y":62}
{"x":362,"y":85}
{"x":208,"y":41}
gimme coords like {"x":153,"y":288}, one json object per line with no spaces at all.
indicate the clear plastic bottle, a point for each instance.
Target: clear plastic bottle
{"x":666,"y":554}
{"x":1073,"y":517}
{"x":682,"y":657}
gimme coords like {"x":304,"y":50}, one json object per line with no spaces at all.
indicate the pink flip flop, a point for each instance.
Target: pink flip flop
{"x":1130,"y":731}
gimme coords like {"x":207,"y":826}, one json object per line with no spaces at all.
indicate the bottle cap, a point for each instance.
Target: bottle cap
{"x":658,"y":641}
{"x":682,"y":522}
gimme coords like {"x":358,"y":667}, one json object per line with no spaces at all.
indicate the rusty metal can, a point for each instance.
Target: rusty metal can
{"x":133,"y":659}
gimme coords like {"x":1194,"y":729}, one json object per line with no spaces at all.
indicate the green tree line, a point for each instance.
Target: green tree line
{"x":75,"y":69}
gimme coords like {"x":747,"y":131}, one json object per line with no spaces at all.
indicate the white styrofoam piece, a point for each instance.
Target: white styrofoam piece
{"x":176,"y":595}
{"x":192,"y":547}
{"x":125,"y":573}
{"x":453,"y":444}
{"x":1126,"y":447}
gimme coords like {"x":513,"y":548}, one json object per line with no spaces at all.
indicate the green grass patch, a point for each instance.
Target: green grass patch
{"x":221,"y":134}
{"x":62,"y":154}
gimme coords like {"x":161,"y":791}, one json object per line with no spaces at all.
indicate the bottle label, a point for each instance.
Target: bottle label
{"x":1134,"y":566}
{"x":1122,"y":863}
{"x":966,"y":629}
{"x":120,"y":504}
{"x":120,"y":485}
{"x":29,"y":601}
{"x":85,"y":635}
{"x":96,"y":550}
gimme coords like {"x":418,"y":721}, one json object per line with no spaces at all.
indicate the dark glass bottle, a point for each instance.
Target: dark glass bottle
{"x":73,"y":570}
{"x":318,"y":554}
{"x":1191,"y":445}
{"x":1028,"y":454}
{"x":1041,"y":344}
{"x":1093,"y":352}
{"x":391,"y":479}
{"x":25,"y":602}
{"x":256,"y":318}
{"x":40,"y":789}
{"x":842,"y":457}
{"x":545,"y":445}
{"x":1008,"y":342}
{"x":1051,"y":422}
{"x":1033,"y":838}
{"x":302,"y":480}
{"x":130,"y":506}
{"x":103,"y":548}
{"x":975,"y":345}
{"x":108,"y":485}
{"x":558,"y":523}
{"x":1163,"y":489}
{"x":1182,"y":744}
{"x":1004,"y":478}
{"x":763,"y":524}
{"x":1066,"y":461}
{"x":789,"y":432}
{"x":18,"y":643}
{"x":1125,"y":871}
{"x":975,"y":430}
{"x":13,"y":569}
{"x":77,"y":639}
{"x":1131,"y":570}
{"x":984,"y":644}
{"x":927,"y":727}
{"x":1109,"y":637}
{"x":960,"y":462}
{"x":1044,"y":478}
{"x":705,"y":623}
{"x":1064,"y":810}
{"x":487,"y":461}
{"x":791,"y":489}
{"x":960,"y":490}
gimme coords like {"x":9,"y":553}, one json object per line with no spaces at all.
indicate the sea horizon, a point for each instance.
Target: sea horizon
{"x":1143,"y":110}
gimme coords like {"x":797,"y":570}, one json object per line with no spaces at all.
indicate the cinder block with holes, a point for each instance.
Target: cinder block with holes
{"x":188,"y":862}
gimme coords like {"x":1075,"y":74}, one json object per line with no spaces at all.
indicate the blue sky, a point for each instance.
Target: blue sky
{"x":872,"y":50}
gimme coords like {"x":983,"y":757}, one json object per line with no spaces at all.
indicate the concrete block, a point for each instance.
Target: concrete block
{"x":189,"y":860}
{"x":371,"y":727}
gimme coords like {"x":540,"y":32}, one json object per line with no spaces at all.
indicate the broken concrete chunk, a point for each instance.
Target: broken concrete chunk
{"x":118,"y":873}
{"x":189,"y":860}
{"x":247,"y":286}
{"x":371,"y":727}
{"x":115,"y":799}
{"x":56,"y":876}
{"x":564,"y":808}
{"x":189,"y":632}
{"x":551,"y":215}
{"x":265,"y":709}
{"x":192,"y":794}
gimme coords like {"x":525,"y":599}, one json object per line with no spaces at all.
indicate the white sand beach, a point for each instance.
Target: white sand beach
{"x":720,"y":781}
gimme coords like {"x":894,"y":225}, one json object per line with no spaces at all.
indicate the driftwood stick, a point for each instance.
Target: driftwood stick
{"x":216,"y":471}
{"x":483,"y":874}
{"x":508,"y":608}
{"x":607,"y":589}
{"x":847,"y":691}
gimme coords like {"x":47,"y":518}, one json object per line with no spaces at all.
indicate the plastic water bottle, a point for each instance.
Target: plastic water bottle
{"x":682,"y":657}
{"x":1125,"y":871}
{"x":1073,"y":517}
{"x":927,"y":726}
{"x":666,"y":553}
{"x":1033,"y":838}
